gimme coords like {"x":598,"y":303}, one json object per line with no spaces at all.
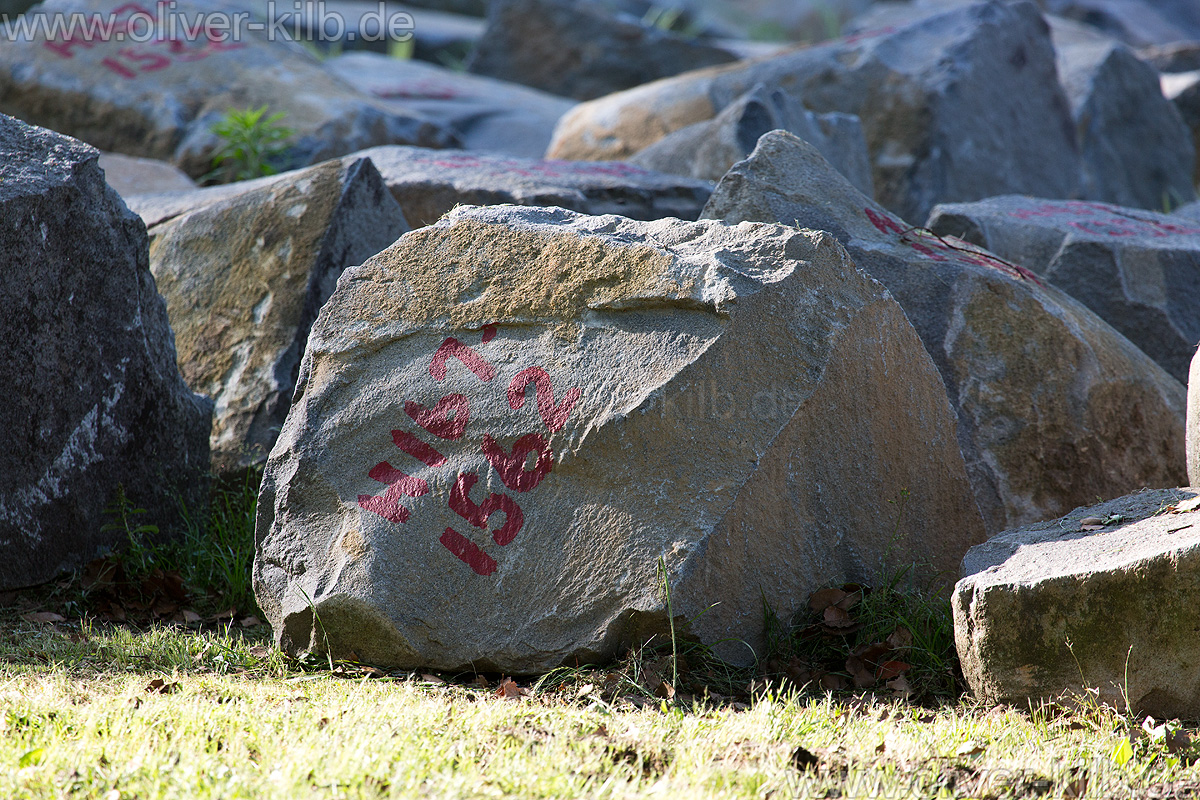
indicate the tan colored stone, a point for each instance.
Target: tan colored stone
{"x":738,"y":404}
{"x":1052,"y":609}
{"x":244,"y":279}
{"x":1055,"y":407}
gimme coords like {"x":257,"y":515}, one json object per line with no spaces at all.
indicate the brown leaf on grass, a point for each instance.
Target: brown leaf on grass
{"x":480,"y":682}
{"x":1077,"y":787}
{"x":1091,"y":524}
{"x":837,"y":617}
{"x":260,"y":651}
{"x":159,"y":686}
{"x":862,"y":676}
{"x":900,"y":686}
{"x":900,"y":639}
{"x":1179,"y":741}
{"x":832,"y":682}
{"x":434,"y":679}
{"x":664,"y":690}
{"x":804,"y":760}
{"x":191,"y":616}
{"x":820,"y":600}
{"x":509,"y":690}
{"x":43,"y":617}
{"x":250,"y":621}
{"x":890,"y":669}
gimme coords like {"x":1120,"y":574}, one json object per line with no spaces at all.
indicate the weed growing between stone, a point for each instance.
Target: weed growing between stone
{"x":251,"y":145}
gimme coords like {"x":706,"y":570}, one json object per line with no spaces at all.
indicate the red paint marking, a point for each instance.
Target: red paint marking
{"x":489,"y":333}
{"x":453,"y":348}
{"x":511,"y":466}
{"x":388,"y":505}
{"x":468,"y":552}
{"x":119,"y":68}
{"x":477,"y":515}
{"x":446,"y":420}
{"x":871,"y":34}
{"x":883,"y":222}
{"x":555,"y":416}
{"x":148,"y":62}
{"x":418,"y":449}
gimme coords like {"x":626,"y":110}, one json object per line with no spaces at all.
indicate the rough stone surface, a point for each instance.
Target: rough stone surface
{"x":958,"y":106}
{"x":708,"y":149}
{"x":427,"y":184}
{"x":579,"y":49}
{"x":94,"y":399}
{"x":1188,"y":211}
{"x":1135,"y":147}
{"x":244,"y":278}
{"x":1039,"y":606}
{"x":1138,"y":270}
{"x":486,"y":115}
{"x":1183,"y":90}
{"x":133,"y":175}
{"x":1054,"y":406}
{"x":159,"y":99}
{"x":1174,"y":57}
{"x":685,"y":388}
{"x":1193,"y":422}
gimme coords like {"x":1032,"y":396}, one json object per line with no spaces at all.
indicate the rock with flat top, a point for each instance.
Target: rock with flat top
{"x":95,"y":404}
{"x":1054,"y":406}
{"x":507,"y":421}
{"x":244,"y":279}
{"x":1138,"y":270}
{"x":1105,"y":599}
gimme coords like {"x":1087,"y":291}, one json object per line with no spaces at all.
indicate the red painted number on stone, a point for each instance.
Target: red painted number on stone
{"x":478,"y":515}
{"x":453,"y":348}
{"x":418,"y":449}
{"x":446,"y":420}
{"x":388,"y":505}
{"x":511,"y":466}
{"x":555,"y":416}
{"x":882,"y":222}
{"x":468,"y":552}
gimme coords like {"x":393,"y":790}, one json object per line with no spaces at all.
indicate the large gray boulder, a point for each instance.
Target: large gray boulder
{"x":1138,"y":270}
{"x":957,"y":106}
{"x":577,"y":48}
{"x":428,"y":183}
{"x":94,"y":400}
{"x":244,"y":279}
{"x":627,"y":394}
{"x":486,"y":115}
{"x":708,"y":149}
{"x":1136,"y":149}
{"x":1054,"y":406}
{"x":1106,"y":598}
{"x":1138,"y":23}
{"x":159,"y":98}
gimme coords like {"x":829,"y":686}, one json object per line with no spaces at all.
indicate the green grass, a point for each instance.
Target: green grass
{"x":209,"y":709}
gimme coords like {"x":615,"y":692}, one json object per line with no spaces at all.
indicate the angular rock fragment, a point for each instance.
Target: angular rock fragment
{"x":1138,"y":23}
{"x":428,"y":183}
{"x":1135,"y":147}
{"x":1054,"y":406}
{"x":152,"y":80}
{"x":1183,"y":90}
{"x":1106,"y":598}
{"x":580,"y":49}
{"x":1139,"y":271}
{"x":130,"y":174}
{"x":486,"y":115}
{"x":244,"y":279}
{"x":94,"y":401}
{"x":957,"y":106}
{"x":708,"y":149}
{"x":508,"y":420}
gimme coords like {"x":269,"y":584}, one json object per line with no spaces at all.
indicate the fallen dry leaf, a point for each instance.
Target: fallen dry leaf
{"x":900,"y":686}
{"x":805,"y":761}
{"x":250,"y":621}
{"x":900,"y":639}
{"x":837,"y":617}
{"x":509,"y":690}
{"x":862,"y":676}
{"x":159,"y":686}
{"x":1091,"y":524}
{"x":890,"y":669}
{"x":260,"y":651}
{"x":42,"y":616}
{"x":833,"y":682}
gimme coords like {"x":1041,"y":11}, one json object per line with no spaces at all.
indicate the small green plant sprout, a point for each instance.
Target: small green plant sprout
{"x":250,"y":143}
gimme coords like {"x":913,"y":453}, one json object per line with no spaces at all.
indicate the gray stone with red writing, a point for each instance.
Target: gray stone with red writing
{"x":957,"y":106}
{"x":486,"y":115}
{"x":708,"y":149}
{"x":428,"y":183}
{"x":1101,"y":610}
{"x":1138,"y":270}
{"x":94,"y":401}
{"x":244,"y":278}
{"x":159,"y":98}
{"x":1054,"y":406}
{"x":627,"y":394}
{"x":580,"y":49}
{"x":1135,"y":147}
